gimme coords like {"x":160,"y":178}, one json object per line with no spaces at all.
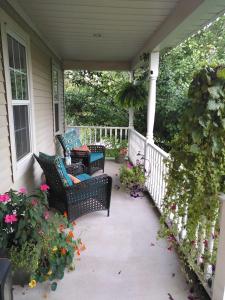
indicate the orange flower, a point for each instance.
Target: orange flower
{"x":65,"y":214}
{"x":63,"y":251}
{"x":78,"y":252}
{"x":70,"y":234}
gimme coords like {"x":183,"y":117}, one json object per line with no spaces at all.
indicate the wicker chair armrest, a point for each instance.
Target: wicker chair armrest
{"x":75,"y":169}
{"x":97,"y":148}
{"x":87,"y":185}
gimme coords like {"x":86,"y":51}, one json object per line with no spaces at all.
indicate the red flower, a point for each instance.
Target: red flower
{"x":70,"y":234}
{"x":63,"y":251}
{"x":78,"y":252}
{"x":44,"y":187}
{"x":173,"y":206}
{"x":65,"y":214}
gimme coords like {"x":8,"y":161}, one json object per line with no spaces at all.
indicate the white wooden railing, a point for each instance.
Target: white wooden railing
{"x":99,"y":134}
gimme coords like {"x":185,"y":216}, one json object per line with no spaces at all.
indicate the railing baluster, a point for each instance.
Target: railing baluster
{"x":95,"y":135}
{"x":121,"y":134}
{"x":201,"y":244}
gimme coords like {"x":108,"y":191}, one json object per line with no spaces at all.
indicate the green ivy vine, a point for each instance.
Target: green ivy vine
{"x":196,"y":166}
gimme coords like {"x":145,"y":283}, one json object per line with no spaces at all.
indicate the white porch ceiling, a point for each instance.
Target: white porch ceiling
{"x":113,"y":33}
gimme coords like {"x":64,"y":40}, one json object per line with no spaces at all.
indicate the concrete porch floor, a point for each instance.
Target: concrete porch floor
{"x":123,"y":261}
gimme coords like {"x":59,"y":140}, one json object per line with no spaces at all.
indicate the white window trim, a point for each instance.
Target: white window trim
{"x":8,"y":26}
{"x":56,"y":68}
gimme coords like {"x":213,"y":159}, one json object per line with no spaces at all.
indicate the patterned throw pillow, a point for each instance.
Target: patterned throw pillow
{"x":74,"y":179}
{"x":66,"y":180}
{"x":83,"y":148}
{"x":70,"y":140}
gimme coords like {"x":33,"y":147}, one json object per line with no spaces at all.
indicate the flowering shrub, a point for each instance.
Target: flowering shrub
{"x":133,"y":178}
{"x":37,"y":242}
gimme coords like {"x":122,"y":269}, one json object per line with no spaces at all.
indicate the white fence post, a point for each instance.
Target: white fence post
{"x":219,"y":281}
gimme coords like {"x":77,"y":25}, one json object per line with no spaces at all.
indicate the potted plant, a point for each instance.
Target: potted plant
{"x":121,"y":152}
{"x":133,"y":178}
{"x":40,"y":245}
{"x":132,"y":94}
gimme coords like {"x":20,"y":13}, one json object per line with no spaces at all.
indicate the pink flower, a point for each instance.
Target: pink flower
{"x":46,"y":215}
{"x":23,"y":190}
{"x":130,"y":166}
{"x":44,"y":187}
{"x":4,"y":198}
{"x":34,"y":202}
{"x":11,"y":218}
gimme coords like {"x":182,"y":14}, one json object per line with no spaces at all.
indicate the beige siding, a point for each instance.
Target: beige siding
{"x":5,"y":157}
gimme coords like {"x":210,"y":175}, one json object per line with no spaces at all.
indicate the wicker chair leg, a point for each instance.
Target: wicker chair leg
{"x":108,"y":213}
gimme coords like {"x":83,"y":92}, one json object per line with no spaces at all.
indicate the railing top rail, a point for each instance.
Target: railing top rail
{"x":138,"y":134}
{"x":158,"y":149}
{"x":112,"y":127}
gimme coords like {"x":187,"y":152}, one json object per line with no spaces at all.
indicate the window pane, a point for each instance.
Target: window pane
{"x":10,"y":49}
{"x":24,"y":87}
{"x":19,"y":92}
{"x":13,"y":84}
{"x":21,"y":127}
{"x":23,"y":64}
{"x":16,"y":54}
{"x":56,"y":117}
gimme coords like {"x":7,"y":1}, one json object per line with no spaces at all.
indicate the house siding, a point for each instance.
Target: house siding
{"x":5,"y":156}
{"x":43,"y":125}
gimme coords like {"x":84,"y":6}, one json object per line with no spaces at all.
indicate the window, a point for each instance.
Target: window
{"x":56,"y":103}
{"x":20,"y":96}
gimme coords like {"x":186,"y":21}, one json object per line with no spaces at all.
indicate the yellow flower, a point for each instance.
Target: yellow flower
{"x":54,"y":249}
{"x":32,"y":283}
{"x":49,"y":272}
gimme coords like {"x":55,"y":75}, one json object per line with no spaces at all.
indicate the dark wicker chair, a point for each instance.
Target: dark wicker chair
{"x":87,"y":196}
{"x":93,"y":161}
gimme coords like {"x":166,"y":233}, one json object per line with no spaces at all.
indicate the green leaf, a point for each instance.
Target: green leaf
{"x":194,"y":148}
{"x":212,"y":105}
{"x":196,"y":136}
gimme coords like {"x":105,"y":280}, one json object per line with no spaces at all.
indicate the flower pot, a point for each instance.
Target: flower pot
{"x":20,"y":277}
{"x":120,"y":159}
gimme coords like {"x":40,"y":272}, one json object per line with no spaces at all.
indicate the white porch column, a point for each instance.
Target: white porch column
{"x":153,"y":74}
{"x":131,"y":109}
{"x":219,"y":281}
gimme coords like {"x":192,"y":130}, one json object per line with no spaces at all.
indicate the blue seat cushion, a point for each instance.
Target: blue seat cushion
{"x":96,"y":156}
{"x":83,"y":177}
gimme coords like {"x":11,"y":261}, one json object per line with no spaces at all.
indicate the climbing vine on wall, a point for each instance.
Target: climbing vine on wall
{"x":196,"y":167}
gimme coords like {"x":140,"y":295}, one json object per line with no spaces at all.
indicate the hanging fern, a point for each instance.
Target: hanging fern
{"x":196,"y":167}
{"x":132,"y":94}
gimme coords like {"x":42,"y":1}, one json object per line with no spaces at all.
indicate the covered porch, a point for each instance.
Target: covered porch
{"x":124,"y":259}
